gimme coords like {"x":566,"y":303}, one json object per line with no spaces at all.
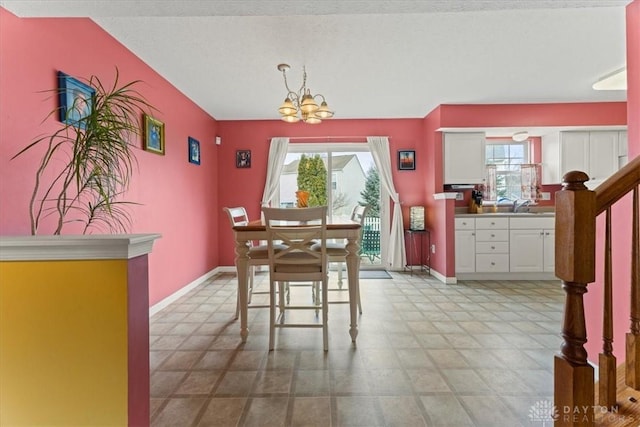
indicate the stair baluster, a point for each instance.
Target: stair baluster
{"x":606,"y":360}
{"x":632,"y":361}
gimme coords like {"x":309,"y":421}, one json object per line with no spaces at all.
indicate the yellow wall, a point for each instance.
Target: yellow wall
{"x":63,"y":343}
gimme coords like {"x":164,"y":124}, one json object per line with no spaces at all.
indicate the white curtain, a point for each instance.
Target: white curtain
{"x":277,"y":153}
{"x":379,"y":146}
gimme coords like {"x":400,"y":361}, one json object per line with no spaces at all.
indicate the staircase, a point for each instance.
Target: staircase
{"x":616,"y":401}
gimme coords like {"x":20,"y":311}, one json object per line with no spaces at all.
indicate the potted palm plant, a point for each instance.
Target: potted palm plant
{"x":97,"y":155}
{"x":85,"y":170}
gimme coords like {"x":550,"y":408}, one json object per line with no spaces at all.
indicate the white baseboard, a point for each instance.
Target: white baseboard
{"x":227,"y":269}
{"x":182,"y":291}
{"x":443,"y":278}
{"x":507,"y":276}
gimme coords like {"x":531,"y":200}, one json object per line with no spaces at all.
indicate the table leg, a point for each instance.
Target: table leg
{"x":353,"y":268}
{"x":242,"y":267}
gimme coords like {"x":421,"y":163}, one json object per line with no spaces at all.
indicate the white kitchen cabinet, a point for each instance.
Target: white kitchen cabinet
{"x":593,"y":152}
{"x":623,"y":147}
{"x":509,"y":247}
{"x":532,"y":245}
{"x":603,"y":156}
{"x":549,"y":251}
{"x":464,"y":157}
{"x":526,"y":250}
{"x":465,"y":241}
{"x":492,"y":245}
{"x":574,"y":152}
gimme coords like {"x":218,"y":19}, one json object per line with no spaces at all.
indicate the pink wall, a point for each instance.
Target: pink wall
{"x":244,"y":187}
{"x":439,"y":212}
{"x":178,"y":199}
{"x":621,"y":215}
{"x":509,"y":115}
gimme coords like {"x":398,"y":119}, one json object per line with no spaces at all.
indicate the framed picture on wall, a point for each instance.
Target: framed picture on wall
{"x":406,"y":160}
{"x":243,"y":158}
{"x":194,"y":151}
{"x":76,"y":100}
{"x":153,"y":135}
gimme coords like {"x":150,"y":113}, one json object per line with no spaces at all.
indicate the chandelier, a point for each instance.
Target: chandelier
{"x":301,"y":105}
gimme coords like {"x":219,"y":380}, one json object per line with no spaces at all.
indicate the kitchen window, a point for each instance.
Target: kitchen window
{"x":504,"y":160}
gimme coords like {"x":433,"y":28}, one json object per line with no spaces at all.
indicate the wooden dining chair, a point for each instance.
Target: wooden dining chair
{"x":258,"y":255}
{"x":296,"y":229}
{"x":337,"y":252}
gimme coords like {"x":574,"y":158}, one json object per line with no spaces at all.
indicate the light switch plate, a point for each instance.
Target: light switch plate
{"x":459,"y":196}
{"x":545,"y":195}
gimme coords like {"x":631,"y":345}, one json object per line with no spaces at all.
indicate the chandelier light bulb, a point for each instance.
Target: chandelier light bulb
{"x":312,"y":119}
{"x":287,"y":107}
{"x":324,"y":112}
{"x":290,"y":118}
{"x":308,"y":105}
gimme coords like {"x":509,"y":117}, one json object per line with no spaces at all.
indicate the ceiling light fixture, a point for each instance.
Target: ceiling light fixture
{"x":301,"y":105}
{"x":613,"y":81}
{"x":520,"y":136}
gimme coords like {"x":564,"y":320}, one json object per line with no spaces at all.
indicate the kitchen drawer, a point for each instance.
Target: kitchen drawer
{"x":492,"y":235}
{"x":492,"y":247}
{"x":492,"y":223}
{"x":492,"y":263}
{"x":532,"y":223}
{"x":465,"y":223}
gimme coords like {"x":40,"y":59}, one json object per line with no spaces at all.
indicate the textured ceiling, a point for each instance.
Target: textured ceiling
{"x":371,"y":59}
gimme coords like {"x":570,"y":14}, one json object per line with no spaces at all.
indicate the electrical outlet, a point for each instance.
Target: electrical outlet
{"x":459,"y":196}
{"x":433,"y":249}
{"x":545,"y":195}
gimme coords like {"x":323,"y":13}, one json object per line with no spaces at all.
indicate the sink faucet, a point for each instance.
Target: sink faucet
{"x":521,"y":206}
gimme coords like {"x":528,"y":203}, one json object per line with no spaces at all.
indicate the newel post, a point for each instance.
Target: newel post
{"x":575,"y":266}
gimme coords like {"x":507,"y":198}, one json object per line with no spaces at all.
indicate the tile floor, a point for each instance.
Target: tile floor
{"x":479,"y":353}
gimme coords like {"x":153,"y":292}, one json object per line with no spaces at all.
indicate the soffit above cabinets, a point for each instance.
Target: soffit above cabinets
{"x":533,"y":131}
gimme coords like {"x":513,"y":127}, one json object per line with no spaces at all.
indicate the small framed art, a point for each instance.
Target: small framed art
{"x":194,"y":151}
{"x":76,"y":100}
{"x":153,"y":135}
{"x":406,"y":160}
{"x":243,"y":158}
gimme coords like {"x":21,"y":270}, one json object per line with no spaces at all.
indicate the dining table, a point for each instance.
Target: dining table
{"x":337,"y":228}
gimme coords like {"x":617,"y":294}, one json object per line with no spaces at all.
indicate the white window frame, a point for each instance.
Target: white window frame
{"x":526,"y":148}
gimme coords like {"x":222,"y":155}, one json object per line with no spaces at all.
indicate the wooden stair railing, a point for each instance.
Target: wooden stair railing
{"x":576,"y":210}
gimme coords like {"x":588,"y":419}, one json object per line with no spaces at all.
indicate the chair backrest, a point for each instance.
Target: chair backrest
{"x":359,"y":213}
{"x":298,"y":229}
{"x":237,"y":216}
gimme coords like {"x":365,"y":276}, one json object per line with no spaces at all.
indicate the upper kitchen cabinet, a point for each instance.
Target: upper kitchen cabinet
{"x":594,"y":152}
{"x":464,"y":155}
{"x":623,"y":147}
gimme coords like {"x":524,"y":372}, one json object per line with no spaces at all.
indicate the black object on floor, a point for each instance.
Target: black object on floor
{"x":374,"y":274}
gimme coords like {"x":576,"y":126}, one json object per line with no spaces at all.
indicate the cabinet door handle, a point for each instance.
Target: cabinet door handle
{"x":541,"y":233}
{"x":473,"y":234}
{"x":493,"y":263}
{"x":493,"y":247}
{"x":493,"y":223}
{"x":493,"y":235}
{"x":546,"y":234}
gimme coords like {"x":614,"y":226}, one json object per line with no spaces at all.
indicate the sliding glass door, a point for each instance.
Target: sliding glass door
{"x":340,"y":176}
